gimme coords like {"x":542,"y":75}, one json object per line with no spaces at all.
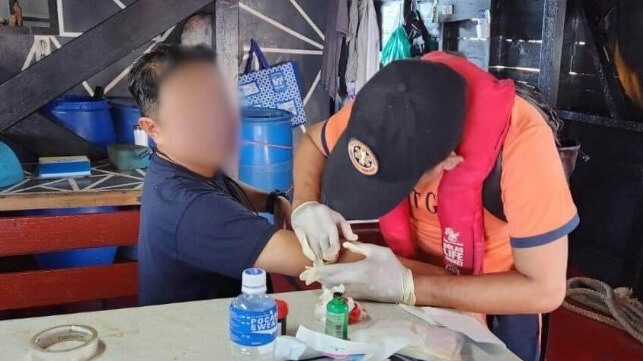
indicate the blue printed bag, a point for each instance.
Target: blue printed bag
{"x":272,"y":86}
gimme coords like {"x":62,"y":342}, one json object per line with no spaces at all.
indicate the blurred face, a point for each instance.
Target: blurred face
{"x":195,"y":123}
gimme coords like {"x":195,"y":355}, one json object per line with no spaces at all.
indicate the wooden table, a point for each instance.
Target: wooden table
{"x":194,"y":331}
{"x":23,"y":233}
{"x":105,"y":187}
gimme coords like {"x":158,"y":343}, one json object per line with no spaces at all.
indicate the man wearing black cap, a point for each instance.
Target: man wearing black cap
{"x":437,"y":125}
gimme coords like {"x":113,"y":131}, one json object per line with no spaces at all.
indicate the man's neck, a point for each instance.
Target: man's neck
{"x":202,"y":170}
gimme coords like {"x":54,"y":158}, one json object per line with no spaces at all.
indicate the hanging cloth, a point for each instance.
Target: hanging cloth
{"x":363,"y":40}
{"x":336,"y":29}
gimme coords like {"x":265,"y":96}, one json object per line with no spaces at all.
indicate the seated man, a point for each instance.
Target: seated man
{"x":397,"y":143}
{"x":199,"y":228}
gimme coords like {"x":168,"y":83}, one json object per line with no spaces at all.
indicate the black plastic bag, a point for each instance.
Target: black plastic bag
{"x":415,"y":29}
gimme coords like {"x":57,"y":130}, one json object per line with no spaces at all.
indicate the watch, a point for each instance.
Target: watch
{"x":272,"y":197}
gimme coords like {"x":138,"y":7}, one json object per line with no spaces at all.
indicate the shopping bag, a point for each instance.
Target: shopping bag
{"x":272,"y":86}
{"x":397,"y":47}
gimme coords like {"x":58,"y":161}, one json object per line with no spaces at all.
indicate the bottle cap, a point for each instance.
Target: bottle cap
{"x":282,"y":309}
{"x":338,"y":295}
{"x":253,"y":280}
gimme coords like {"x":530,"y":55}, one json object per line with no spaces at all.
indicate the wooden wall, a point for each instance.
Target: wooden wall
{"x":80,"y":15}
{"x":607,"y":188}
{"x":516,"y":41}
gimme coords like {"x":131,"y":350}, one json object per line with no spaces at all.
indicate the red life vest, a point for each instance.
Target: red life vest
{"x":489,"y":105}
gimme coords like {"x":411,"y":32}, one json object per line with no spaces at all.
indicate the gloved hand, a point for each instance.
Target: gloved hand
{"x":317,"y":228}
{"x":378,"y":277}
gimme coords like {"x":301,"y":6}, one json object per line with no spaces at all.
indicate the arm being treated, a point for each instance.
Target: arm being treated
{"x":537,"y":284}
{"x":308,"y":166}
{"x":283,"y":255}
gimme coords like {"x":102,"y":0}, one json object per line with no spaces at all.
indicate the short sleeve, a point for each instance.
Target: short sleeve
{"x":536,"y":197}
{"x":334,"y":127}
{"x":217,"y":234}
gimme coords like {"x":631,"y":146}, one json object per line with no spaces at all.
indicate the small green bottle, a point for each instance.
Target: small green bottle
{"x":337,"y":317}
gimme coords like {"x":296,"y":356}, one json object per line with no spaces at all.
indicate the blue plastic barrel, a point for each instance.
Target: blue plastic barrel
{"x":77,"y":257}
{"x":87,"y":117}
{"x":266,"y":160}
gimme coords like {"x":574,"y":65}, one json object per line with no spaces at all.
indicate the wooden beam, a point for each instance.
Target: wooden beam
{"x":86,"y":55}
{"x":497,"y":46}
{"x":597,"y":44}
{"x":225,"y":26}
{"x":600,"y":120}
{"x":45,"y":288}
{"x":41,"y":234}
{"x":23,"y":202}
{"x":551,"y":49}
{"x":226,"y":37}
{"x":54,"y":27}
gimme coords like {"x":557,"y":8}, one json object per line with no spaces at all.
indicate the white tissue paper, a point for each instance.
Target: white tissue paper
{"x":421,"y":341}
{"x":379,"y":341}
{"x":318,"y":346}
{"x":338,"y":348}
{"x":460,"y":322}
{"x":356,"y":312}
{"x":290,"y":348}
{"x":322,"y":302}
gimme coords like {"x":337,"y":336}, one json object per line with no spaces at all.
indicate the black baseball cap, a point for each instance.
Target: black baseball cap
{"x":405,"y":120}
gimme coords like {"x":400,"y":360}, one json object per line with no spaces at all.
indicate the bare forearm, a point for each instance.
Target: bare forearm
{"x":308,"y":167}
{"x":422,"y":268}
{"x":283,"y":255}
{"x":497,"y":293}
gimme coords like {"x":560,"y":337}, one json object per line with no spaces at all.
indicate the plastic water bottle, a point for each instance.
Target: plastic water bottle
{"x":253,"y":319}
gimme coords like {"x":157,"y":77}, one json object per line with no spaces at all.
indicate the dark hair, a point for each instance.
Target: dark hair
{"x":150,"y":69}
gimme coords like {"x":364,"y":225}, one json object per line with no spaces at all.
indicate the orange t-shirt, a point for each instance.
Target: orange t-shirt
{"x":536,"y":198}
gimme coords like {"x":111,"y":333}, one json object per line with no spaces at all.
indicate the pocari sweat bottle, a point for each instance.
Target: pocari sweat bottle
{"x":253,"y":319}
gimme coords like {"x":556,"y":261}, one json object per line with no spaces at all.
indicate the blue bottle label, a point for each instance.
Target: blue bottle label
{"x":253,"y":328}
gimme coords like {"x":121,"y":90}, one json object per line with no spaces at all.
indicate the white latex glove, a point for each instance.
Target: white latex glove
{"x":317,"y":227}
{"x":378,"y":277}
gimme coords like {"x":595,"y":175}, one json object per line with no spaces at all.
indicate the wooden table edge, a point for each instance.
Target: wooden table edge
{"x":33,"y":201}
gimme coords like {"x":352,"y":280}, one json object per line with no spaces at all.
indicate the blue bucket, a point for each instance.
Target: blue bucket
{"x":87,"y":117}
{"x":266,"y":160}
{"x":125,"y":113}
{"x":98,"y":256}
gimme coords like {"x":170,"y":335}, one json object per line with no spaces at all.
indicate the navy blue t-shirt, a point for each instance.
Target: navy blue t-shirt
{"x":196,"y":236}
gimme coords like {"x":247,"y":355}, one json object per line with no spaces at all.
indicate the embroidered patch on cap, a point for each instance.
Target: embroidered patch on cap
{"x":362,"y":157}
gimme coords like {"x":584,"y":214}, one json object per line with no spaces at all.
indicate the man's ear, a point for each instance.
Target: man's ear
{"x":150,"y":127}
{"x":452,"y":161}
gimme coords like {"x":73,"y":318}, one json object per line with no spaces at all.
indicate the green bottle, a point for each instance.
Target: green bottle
{"x":337,"y":317}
